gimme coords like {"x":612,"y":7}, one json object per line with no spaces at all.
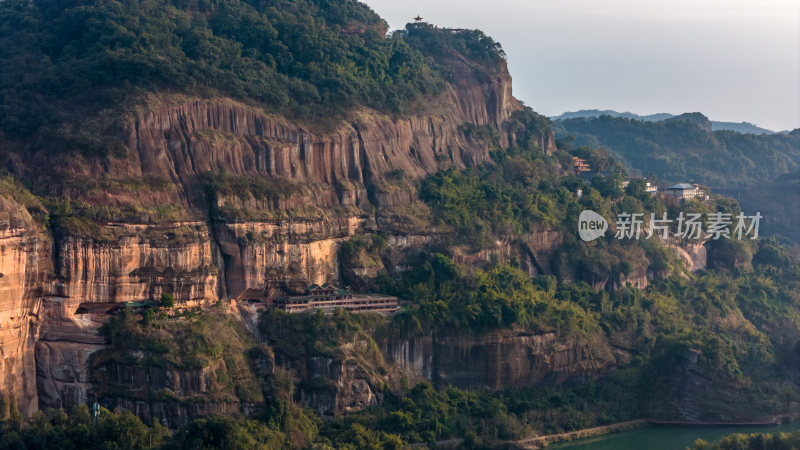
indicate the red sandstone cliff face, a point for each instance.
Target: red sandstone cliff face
{"x":207,"y":255}
{"x":354,"y":377}
{"x":62,"y":353}
{"x":171,"y":396}
{"x":181,"y":138}
{"x":138,"y":263}
{"x":502,"y":358}
{"x":24,"y":264}
{"x":288,"y":255}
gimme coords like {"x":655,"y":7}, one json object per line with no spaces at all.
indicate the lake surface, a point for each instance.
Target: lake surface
{"x":667,"y":437}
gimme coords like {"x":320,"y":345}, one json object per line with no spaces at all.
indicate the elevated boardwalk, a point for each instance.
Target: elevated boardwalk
{"x":327,"y":298}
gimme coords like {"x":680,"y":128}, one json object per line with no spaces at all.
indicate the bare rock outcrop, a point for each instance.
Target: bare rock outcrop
{"x":288,"y":254}
{"x":140,"y":262}
{"x":180,"y":138}
{"x":64,"y":345}
{"x":25,"y":261}
{"x":173,"y":396}
{"x":694,"y":256}
{"x":502,"y":358}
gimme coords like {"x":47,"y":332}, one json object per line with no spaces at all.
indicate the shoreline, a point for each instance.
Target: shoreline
{"x":544,"y":441}
{"x":538,"y":442}
{"x":667,"y":423}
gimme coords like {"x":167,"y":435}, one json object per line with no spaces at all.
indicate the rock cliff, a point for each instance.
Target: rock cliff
{"x":25,"y":262}
{"x":503,"y":358}
{"x":324,"y":183}
{"x":155,"y":217}
{"x":139,"y":262}
{"x":62,"y":353}
{"x":694,"y":256}
{"x":355,"y":376}
{"x":171,"y":396}
{"x":179,"y":139}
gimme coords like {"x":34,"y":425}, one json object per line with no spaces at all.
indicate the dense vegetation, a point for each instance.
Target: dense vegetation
{"x":760,"y":171}
{"x":424,"y":414}
{"x":296,"y":57}
{"x":742,"y":325}
{"x":309,"y":60}
{"x":499,"y":297}
{"x":59,"y":430}
{"x":740,"y":318}
{"x":516,"y":195}
{"x":754,"y":441}
{"x":439,"y":43}
{"x":55,"y":429}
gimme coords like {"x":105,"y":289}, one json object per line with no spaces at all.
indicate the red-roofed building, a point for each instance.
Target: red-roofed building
{"x":580,"y":165}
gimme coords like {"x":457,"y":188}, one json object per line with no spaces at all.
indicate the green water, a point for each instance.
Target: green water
{"x":667,"y":437}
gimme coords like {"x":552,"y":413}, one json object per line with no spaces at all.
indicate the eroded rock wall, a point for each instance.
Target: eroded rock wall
{"x":139,"y":263}
{"x":179,"y":138}
{"x":288,"y":255}
{"x":66,"y":341}
{"x":206,"y":255}
{"x":496,"y":359}
{"x":25,"y":261}
{"x":170,"y":395}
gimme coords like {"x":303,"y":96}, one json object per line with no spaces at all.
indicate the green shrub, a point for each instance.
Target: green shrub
{"x":167,"y":300}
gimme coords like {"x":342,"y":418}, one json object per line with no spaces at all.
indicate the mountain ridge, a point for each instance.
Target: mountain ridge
{"x":740,"y":127}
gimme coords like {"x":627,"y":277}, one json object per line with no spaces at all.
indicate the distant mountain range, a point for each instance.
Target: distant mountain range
{"x":744,"y":127}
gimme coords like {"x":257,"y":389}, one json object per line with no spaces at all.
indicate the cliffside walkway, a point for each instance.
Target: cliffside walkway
{"x":536,"y":442}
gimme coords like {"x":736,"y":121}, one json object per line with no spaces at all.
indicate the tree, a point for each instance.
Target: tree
{"x":167,"y":300}
{"x":637,"y":188}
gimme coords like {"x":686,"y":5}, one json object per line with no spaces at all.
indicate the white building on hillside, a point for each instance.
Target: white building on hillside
{"x":686,"y":191}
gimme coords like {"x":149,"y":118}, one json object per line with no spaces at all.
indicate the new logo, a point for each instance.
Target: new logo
{"x":591,"y":225}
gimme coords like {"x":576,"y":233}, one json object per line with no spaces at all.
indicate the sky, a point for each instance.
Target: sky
{"x":732,"y":60}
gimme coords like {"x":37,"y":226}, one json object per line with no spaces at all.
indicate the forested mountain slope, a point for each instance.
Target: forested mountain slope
{"x":757,"y":170}
{"x":211,"y":155}
{"x":685,"y":148}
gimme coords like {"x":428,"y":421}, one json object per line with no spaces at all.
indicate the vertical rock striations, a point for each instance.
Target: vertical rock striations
{"x":137,"y":262}
{"x":497,"y":359}
{"x":294,"y":194}
{"x":25,"y":262}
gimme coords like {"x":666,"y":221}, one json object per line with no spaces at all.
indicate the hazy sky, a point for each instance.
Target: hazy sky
{"x":733,"y":60}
